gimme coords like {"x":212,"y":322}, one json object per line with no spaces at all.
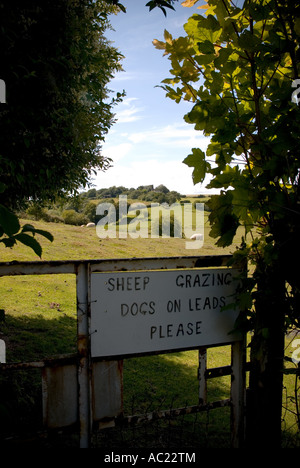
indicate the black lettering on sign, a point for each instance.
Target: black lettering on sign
{"x":174,"y":305}
{"x":128,"y":283}
{"x":206,"y":303}
{"x":206,"y":277}
{"x":203,"y":280}
{"x":172,"y":331}
{"x":195,"y":303}
{"x":134,"y":309}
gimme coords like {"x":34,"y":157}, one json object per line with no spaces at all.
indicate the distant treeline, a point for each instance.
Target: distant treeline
{"x":81,"y":209}
{"x":159,"y":194}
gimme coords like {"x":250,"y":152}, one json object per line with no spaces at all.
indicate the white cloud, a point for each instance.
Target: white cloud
{"x":152,"y":157}
{"x":117,"y":152}
{"x":173,"y":174}
{"x":172,"y":135}
{"x":124,"y":76}
{"x":128,"y":112}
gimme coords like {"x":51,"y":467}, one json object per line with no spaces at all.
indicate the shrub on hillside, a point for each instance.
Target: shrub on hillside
{"x":37,"y":212}
{"x":90,"y":211}
{"x":72,"y":217}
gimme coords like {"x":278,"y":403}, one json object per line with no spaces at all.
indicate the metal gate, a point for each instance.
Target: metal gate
{"x":88,"y":391}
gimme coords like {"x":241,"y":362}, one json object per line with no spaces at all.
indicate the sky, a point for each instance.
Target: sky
{"x":150,"y":139}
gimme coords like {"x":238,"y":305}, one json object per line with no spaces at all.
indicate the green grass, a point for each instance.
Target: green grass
{"x":40,"y":321}
{"x":40,"y":316}
{"x":74,"y":242}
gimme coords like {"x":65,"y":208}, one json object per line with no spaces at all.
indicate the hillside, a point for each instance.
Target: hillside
{"x":75,"y":242}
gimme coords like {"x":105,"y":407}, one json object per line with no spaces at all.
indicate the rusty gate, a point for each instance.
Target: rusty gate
{"x":87,"y":390}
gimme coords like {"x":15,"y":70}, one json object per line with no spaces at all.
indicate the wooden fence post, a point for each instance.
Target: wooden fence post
{"x":202,"y":376}
{"x":84,"y":385}
{"x":238,"y":384}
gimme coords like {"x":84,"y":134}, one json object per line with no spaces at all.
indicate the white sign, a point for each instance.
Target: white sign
{"x":142,"y":312}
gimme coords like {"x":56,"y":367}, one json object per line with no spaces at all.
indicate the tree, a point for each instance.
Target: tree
{"x":161,"y":188}
{"x":56,"y":64}
{"x":237,"y":66}
{"x":55,"y":67}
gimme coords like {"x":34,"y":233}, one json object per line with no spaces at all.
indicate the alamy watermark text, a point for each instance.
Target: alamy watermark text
{"x":2,"y":92}
{"x":159,"y":220}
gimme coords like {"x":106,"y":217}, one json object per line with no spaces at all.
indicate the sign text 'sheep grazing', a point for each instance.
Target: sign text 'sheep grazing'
{"x":144,"y":312}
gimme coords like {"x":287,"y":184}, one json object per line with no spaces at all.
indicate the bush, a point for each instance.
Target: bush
{"x":90,"y":211}
{"x":37,"y":212}
{"x":72,"y":217}
{"x":54,"y":216}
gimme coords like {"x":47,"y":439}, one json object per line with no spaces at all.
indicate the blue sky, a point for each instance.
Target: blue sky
{"x":150,"y":139}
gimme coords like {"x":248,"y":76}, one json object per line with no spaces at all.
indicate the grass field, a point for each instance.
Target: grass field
{"x":39,"y":321}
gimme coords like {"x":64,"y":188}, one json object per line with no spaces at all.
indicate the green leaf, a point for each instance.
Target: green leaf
{"x":224,"y":223}
{"x":198,"y":162}
{"x":122,"y":7}
{"x":206,"y":47}
{"x":33,"y":230}
{"x":8,"y":221}
{"x":46,"y":234}
{"x":168,"y":37}
{"x":160,"y":45}
{"x":29,"y":241}
{"x":160,"y":4}
{"x":248,"y":41}
{"x":240,"y":202}
{"x":201,"y":29}
{"x":8,"y":241}
{"x":226,"y":178}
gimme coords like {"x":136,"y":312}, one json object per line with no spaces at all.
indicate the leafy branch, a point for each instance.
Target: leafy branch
{"x":162,"y":4}
{"x":243,"y":61}
{"x":11,"y":232}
